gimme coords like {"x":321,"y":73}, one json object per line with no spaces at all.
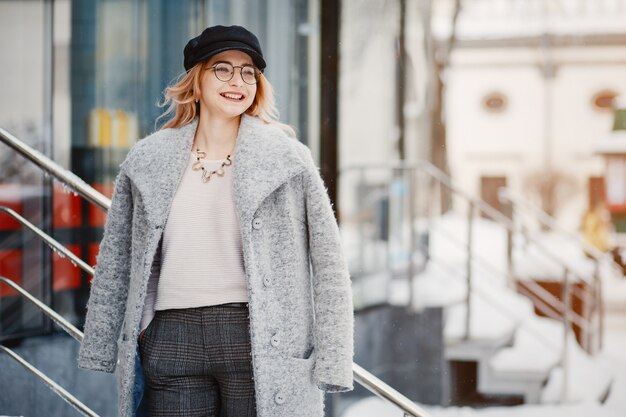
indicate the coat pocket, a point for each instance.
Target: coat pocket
{"x":298,"y":395}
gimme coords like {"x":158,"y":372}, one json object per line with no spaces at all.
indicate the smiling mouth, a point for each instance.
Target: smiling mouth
{"x":233,"y":96}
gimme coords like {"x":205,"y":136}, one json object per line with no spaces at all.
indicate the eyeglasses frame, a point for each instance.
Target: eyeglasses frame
{"x":257,"y":72}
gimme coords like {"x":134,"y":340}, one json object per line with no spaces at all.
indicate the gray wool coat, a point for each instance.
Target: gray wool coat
{"x":300,"y":302}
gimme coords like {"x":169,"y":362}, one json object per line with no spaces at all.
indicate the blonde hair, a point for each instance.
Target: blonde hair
{"x":180,"y":100}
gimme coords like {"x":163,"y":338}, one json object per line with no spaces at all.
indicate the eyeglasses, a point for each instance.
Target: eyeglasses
{"x":225,"y":72}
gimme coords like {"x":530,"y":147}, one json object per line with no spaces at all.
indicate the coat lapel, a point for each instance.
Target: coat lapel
{"x":162,"y":174}
{"x":264,"y":159}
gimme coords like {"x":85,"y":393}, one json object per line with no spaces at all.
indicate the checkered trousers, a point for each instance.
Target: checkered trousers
{"x":197,"y":363}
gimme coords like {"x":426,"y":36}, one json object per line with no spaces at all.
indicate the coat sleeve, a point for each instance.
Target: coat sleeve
{"x":109,"y":287}
{"x":332,"y":292}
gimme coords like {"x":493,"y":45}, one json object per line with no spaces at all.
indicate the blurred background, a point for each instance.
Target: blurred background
{"x":474,"y":150}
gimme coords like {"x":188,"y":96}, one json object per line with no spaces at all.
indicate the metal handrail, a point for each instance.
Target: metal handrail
{"x":537,"y":292}
{"x":66,"y":176}
{"x":384,"y":391}
{"x":496,"y":215}
{"x":597,"y":255}
{"x":59,"y":390}
{"x":361,"y":376}
{"x":54,"y":244}
{"x":490,"y":210}
{"x":56,"y":317}
{"x":442,"y":178}
{"x":68,"y":327}
{"x":504,"y":194}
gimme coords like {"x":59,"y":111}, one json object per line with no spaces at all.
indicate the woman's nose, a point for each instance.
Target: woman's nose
{"x":237,"y":79}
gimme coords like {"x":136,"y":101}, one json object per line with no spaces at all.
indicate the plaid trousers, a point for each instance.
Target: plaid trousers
{"x":197,"y":362}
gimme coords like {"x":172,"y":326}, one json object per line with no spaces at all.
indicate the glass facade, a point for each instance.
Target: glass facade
{"x":85,"y":92}
{"x":25,"y":111}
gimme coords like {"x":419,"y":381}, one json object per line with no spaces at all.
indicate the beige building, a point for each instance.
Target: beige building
{"x":529,"y":95}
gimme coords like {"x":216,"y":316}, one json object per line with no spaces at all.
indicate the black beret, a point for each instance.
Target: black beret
{"x":216,"y":39}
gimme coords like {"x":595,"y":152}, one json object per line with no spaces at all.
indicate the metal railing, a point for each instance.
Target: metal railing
{"x":56,"y":317}
{"x":546,"y":302}
{"x":518,"y":204}
{"x":561,"y":307}
{"x":65,"y":325}
{"x":57,"y":247}
{"x":505,"y":195}
{"x":56,"y":388}
{"x":66,"y":177}
{"x":384,"y":391}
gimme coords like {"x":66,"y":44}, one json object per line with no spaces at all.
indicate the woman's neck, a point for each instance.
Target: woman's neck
{"x":216,"y":136}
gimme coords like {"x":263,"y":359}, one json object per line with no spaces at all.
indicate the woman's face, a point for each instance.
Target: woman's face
{"x":226,"y":98}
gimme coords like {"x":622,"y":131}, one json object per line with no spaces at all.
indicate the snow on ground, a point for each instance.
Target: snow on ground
{"x":496,"y":309}
{"x":375,"y":407}
{"x":615,"y":405}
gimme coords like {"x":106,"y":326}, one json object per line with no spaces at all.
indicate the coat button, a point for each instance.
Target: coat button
{"x":267,"y":281}
{"x":257,"y":223}
{"x":275,"y":341}
{"x":279,"y":398}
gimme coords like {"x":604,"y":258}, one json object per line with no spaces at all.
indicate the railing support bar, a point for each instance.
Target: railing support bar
{"x":468,"y":272}
{"x":56,"y":388}
{"x":49,"y":240}
{"x":412,"y":243}
{"x":56,"y":317}
{"x":48,"y":165}
{"x":384,"y":391}
{"x":599,"y":307}
{"x":566,"y":324}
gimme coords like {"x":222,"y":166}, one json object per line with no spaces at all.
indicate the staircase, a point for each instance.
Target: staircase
{"x":504,"y":351}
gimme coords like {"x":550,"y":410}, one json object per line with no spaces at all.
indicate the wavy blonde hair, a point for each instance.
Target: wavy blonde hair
{"x":180,"y":100}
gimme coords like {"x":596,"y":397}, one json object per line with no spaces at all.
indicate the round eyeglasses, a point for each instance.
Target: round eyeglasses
{"x":225,"y":72}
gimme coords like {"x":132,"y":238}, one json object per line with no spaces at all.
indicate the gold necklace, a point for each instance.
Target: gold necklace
{"x":206,"y":175}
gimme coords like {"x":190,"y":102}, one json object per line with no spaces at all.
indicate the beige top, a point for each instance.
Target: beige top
{"x":202,"y":258}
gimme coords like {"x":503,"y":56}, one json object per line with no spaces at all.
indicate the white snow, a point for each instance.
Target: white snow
{"x":545,"y":260}
{"x":375,"y":407}
{"x":614,"y":144}
{"x":497,"y":311}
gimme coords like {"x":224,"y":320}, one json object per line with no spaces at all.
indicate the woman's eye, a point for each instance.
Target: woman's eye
{"x":222,"y":70}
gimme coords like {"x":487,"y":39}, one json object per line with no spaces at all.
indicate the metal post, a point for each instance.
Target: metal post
{"x":468,"y":298}
{"x":360,"y":209}
{"x":411,"y":271}
{"x":566,"y":324}
{"x":509,"y":258}
{"x":599,"y":306}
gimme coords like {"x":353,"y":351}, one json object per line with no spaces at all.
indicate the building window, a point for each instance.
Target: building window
{"x":603,"y":100}
{"x":494,"y":102}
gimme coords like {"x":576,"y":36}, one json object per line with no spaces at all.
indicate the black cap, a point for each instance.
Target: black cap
{"x":216,"y":39}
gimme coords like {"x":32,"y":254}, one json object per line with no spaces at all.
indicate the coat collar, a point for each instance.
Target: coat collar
{"x":264,"y":158}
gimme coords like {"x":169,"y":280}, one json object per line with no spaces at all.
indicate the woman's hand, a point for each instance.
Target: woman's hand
{"x":140,"y":338}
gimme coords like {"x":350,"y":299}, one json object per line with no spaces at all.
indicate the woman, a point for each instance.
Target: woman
{"x":220,"y":270}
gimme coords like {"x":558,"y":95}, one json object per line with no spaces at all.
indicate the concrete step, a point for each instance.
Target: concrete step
{"x":524,"y":368}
